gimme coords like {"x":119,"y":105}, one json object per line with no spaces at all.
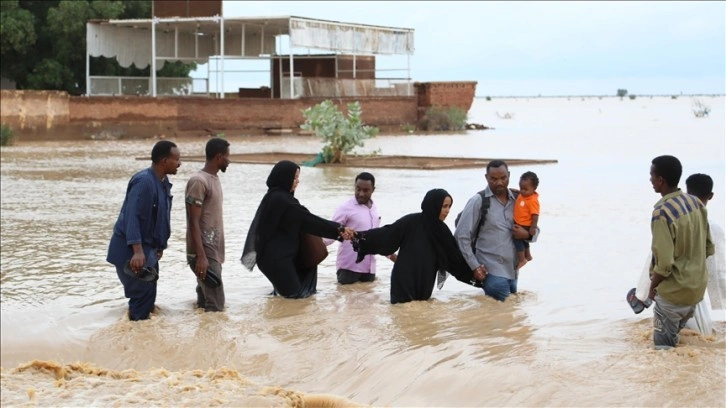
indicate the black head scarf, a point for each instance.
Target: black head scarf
{"x":443,"y":241}
{"x":272,"y":207}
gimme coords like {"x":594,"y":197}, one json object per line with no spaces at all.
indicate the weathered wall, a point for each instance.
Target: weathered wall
{"x":55,"y":115}
{"x":34,"y":111}
{"x":187,"y":8}
{"x":460,"y":94}
{"x":250,"y":114}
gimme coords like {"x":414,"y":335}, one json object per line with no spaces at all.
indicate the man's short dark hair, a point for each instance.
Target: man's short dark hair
{"x":668,"y":167}
{"x":497,"y":163}
{"x":531,"y":176}
{"x":161,"y":150}
{"x":700,"y":185}
{"x":215,"y":146}
{"x":366,"y":176}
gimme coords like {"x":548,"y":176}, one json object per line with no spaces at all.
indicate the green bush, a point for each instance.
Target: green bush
{"x":340,"y":133}
{"x":408,"y":128}
{"x":439,"y":118}
{"x":7,"y":136}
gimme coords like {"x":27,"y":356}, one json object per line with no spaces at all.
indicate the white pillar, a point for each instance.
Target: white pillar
{"x":242,"y":42}
{"x":153,"y":57}
{"x":408,"y":73}
{"x":292,"y":75}
{"x":88,"y":68}
{"x":289,"y":45}
{"x":221,"y":25}
{"x":355,"y":38}
{"x":262,"y":40}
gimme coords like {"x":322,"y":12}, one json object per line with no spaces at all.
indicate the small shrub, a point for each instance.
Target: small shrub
{"x":439,"y":118}
{"x":622,"y":92}
{"x":631,"y":96}
{"x":408,"y":128}
{"x":489,"y":98}
{"x":340,"y":133}
{"x":700,"y":109}
{"x":7,"y":136}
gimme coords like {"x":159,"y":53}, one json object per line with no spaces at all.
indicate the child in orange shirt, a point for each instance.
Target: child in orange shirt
{"x":526,"y":214}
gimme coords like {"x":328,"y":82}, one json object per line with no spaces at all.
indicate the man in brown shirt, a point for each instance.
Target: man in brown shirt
{"x":205,"y":226}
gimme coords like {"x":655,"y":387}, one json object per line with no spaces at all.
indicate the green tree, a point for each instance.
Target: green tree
{"x":17,"y":37}
{"x":44,"y":43}
{"x":340,"y":133}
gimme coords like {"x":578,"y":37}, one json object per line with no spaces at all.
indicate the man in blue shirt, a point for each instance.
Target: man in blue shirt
{"x":143,"y":228}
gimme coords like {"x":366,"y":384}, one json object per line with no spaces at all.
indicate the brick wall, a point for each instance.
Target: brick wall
{"x":446,"y":94}
{"x":122,"y":109}
{"x":55,"y":115}
{"x":247,"y":114}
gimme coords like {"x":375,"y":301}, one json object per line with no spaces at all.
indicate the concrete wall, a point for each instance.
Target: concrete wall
{"x":31,"y":111}
{"x":55,"y":115}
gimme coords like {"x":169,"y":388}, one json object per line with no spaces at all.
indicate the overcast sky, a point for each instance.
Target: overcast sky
{"x":547,"y":48}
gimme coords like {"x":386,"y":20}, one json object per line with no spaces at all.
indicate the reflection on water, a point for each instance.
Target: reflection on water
{"x":567,"y":339}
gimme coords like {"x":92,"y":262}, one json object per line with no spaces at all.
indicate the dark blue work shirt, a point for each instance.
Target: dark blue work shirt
{"x":145,"y":218}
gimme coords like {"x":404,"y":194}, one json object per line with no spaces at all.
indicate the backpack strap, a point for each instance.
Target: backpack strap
{"x":482,"y":216}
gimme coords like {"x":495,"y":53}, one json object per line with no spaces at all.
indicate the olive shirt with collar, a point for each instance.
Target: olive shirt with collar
{"x":681,"y":241}
{"x":494,"y":245}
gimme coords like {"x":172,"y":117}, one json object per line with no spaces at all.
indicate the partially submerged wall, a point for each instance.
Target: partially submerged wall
{"x":446,"y":94}
{"x":56,"y":115}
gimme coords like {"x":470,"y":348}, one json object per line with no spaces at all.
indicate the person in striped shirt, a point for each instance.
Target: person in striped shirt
{"x":681,"y":241}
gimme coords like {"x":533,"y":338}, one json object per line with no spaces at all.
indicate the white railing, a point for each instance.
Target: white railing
{"x":140,"y":86}
{"x":336,"y":88}
{"x":297,"y":84}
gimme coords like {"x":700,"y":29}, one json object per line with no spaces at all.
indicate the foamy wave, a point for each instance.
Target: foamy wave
{"x":48,"y":383}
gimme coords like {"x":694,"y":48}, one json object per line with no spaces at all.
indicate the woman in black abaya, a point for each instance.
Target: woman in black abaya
{"x":426,"y":248}
{"x":273,"y":239}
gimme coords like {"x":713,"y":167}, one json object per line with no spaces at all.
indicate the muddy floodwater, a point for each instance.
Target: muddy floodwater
{"x":568,"y":338}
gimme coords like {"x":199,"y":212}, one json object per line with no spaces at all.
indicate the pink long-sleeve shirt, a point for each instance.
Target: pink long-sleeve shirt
{"x":360,"y":218}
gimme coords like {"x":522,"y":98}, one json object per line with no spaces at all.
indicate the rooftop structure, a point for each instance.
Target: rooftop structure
{"x":153,"y":42}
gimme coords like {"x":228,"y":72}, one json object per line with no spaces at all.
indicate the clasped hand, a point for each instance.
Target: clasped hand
{"x":480,"y":273}
{"x":347,"y":233}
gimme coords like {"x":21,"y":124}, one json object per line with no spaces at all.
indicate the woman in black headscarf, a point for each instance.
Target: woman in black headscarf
{"x":273,"y":240}
{"x":426,"y":248}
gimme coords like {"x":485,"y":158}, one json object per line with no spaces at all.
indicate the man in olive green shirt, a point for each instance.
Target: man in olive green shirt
{"x":681,"y":241}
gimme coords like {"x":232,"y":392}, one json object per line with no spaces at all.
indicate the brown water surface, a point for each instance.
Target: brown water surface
{"x":567,"y":339}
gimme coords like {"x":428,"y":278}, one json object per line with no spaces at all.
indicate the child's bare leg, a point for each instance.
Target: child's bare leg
{"x":521,"y":258}
{"x":527,"y":254}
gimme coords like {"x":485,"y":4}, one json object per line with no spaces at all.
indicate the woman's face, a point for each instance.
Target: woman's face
{"x":445,"y":208}
{"x":296,"y":181}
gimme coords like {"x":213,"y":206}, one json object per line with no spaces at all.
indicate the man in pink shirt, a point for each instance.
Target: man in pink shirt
{"x":359,"y":213}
